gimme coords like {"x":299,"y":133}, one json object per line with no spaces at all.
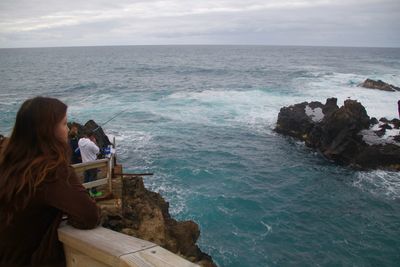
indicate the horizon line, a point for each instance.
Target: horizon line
{"x":270,"y":45}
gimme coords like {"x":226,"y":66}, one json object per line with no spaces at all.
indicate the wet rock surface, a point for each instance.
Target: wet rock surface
{"x":145,"y":215}
{"x":379,"y":85}
{"x":345,"y":135}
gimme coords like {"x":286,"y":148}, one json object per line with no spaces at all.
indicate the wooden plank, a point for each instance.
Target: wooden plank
{"x":104,"y":245}
{"x":105,"y":173}
{"x":74,"y":258}
{"x":81,"y":167}
{"x":96,"y":183}
{"x":101,"y":247}
{"x":155,"y":257}
{"x":109,"y":172}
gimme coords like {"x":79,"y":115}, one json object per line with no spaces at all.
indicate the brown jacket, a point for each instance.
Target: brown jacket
{"x":3,"y":143}
{"x":31,"y":238}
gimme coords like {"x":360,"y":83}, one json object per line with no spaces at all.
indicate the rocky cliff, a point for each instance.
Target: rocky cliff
{"x":145,"y":215}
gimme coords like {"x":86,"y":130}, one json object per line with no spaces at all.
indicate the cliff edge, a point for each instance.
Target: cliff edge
{"x":145,"y":215}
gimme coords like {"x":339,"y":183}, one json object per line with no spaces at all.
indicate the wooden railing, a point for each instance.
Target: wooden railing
{"x":104,"y":175}
{"x":101,"y":247}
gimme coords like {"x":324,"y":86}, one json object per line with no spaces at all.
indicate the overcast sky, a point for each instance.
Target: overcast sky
{"x":44,"y":23}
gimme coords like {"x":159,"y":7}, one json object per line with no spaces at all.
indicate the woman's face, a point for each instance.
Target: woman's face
{"x":61,"y":130}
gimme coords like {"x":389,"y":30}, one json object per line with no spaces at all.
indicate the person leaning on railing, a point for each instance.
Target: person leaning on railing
{"x":38,"y":186}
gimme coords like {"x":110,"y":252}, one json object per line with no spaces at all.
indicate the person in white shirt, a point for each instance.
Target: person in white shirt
{"x":89,"y":151}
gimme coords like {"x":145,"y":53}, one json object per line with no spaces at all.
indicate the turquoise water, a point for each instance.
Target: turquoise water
{"x":202,"y":117}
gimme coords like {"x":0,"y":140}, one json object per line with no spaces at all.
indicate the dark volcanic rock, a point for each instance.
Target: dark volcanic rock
{"x":380,"y":85}
{"x":294,"y":121}
{"x":396,"y":123}
{"x":373,"y":121}
{"x":381,"y":132}
{"x":330,"y":106}
{"x":337,"y":135}
{"x":384,"y":120}
{"x":145,"y":215}
{"x":378,"y":156}
{"x":386,"y":126}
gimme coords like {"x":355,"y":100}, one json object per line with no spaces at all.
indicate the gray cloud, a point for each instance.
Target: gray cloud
{"x":288,"y":22}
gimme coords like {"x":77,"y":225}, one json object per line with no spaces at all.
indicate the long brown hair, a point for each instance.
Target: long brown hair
{"x":32,"y":153}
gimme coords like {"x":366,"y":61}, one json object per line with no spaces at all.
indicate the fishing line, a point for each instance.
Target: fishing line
{"x":113,"y":117}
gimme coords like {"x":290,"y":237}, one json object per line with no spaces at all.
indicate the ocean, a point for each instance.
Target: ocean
{"x":201,"y":118}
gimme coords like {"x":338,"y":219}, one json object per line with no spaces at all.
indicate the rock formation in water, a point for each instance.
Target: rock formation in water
{"x":145,"y":215}
{"x":380,"y":85}
{"x":345,"y":135}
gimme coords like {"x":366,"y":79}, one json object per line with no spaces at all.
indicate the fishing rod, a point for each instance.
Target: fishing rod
{"x":113,"y":117}
{"x":135,"y":174}
{"x":122,"y":174}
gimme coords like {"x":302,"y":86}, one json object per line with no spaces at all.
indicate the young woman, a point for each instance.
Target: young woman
{"x":38,"y":186}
